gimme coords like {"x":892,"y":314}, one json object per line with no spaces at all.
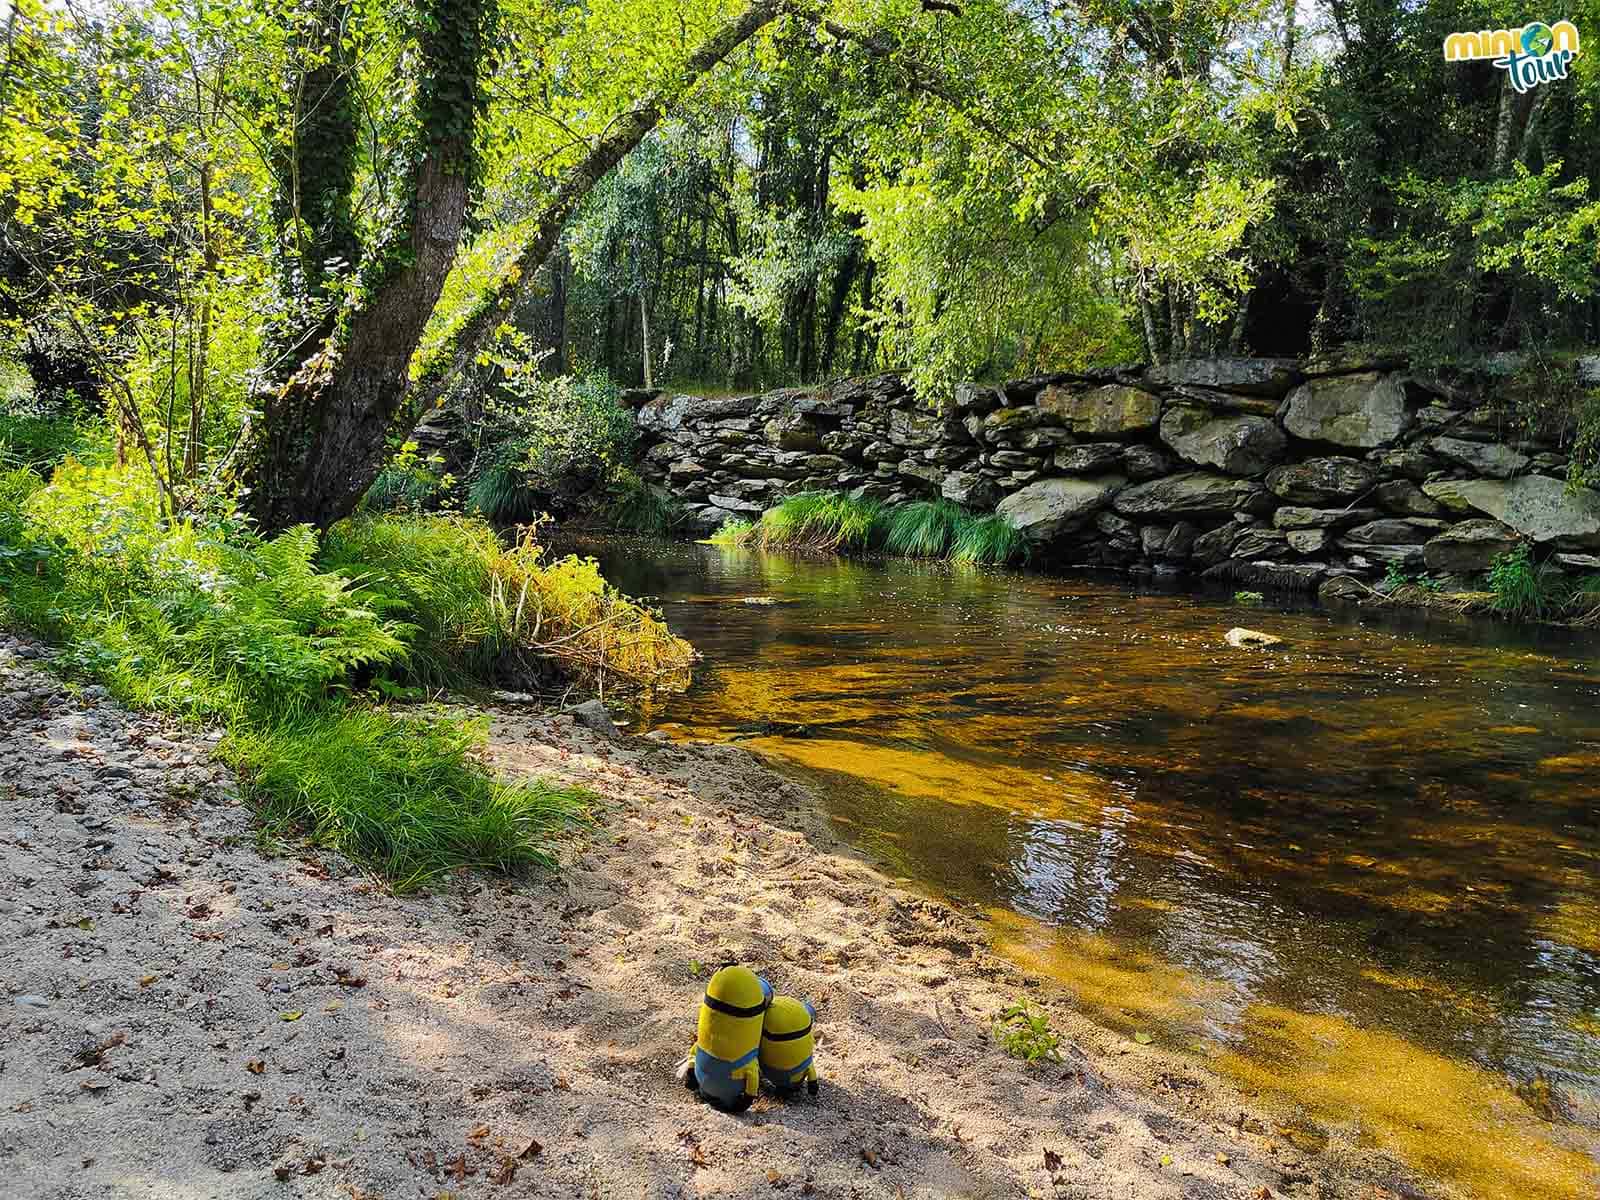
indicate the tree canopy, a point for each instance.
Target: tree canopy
{"x":275,"y":233}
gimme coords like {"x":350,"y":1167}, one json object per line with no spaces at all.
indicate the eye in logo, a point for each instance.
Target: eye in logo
{"x":1537,"y":53}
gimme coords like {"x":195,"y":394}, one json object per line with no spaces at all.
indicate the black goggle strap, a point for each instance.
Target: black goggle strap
{"x":730,"y":1010}
{"x":790,"y":1036}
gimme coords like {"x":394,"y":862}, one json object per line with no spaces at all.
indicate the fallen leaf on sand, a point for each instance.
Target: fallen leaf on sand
{"x":532,"y":1150}
{"x":1143,"y":1038}
{"x":293,"y":1016}
{"x":148,"y":980}
{"x":1223,"y":1158}
{"x":459,"y":1168}
{"x":313,"y":1166}
{"x":1166,"y":1160}
{"x":94,"y":1085}
{"x":282,"y":1173}
{"x":870,"y":1157}
{"x":1052,"y":1161}
{"x":478,"y":1134}
{"x":255,"y":1066}
{"x":505,"y":1172}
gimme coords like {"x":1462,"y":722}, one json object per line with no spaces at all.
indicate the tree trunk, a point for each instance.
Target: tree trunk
{"x":325,"y":431}
{"x":644,"y":332}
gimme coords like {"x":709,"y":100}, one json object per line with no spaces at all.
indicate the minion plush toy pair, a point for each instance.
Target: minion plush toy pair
{"x":747,"y":1034}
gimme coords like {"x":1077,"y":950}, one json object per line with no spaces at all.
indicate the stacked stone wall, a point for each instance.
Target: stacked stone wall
{"x":1269,"y":472}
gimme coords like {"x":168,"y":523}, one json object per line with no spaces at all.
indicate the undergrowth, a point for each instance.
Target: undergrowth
{"x":292,"y":643}
{"x":831,"y":521}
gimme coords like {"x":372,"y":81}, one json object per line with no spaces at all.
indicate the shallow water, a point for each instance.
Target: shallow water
{"x":1361,"y":872}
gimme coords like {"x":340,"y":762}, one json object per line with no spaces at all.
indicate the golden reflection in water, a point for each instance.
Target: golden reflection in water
{"x":1382,"y":844}
{"x":1443,"y":1117}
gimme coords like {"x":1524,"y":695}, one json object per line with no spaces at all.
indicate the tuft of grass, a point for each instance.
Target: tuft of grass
{"x":399,"y":793}
{"x":399,"y":489}
{"x":1523,"y":589}
{"x":500,"y":494}
{"x":925,"y":529}
{"x":40,"y":443}
{"x":831,"y":521}
{"x":633,"y":506}
{"x":989,"y":541}
{"x":1248,"y":598}
{"x":821,"y":521}
{"x":735,"y":531}
{"x":1024,"y":1032}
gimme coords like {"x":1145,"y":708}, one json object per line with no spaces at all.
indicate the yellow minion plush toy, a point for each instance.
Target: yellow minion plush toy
{"x":723,"y":1066}
{"x":788,"y":1046}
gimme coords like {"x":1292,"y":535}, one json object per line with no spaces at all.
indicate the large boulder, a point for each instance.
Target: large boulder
{"x":921,"y":430}
{"x":1469,"y":547}
{"x":1250,"y":376}
{"x":1044,"y":509}
{"x":1494,"y":459}
{"x":970,"y":489}
{"x":1110,"y":411}
{"x":1366,"y":410}
{"x":1238,"y":445}
{"x":1194,"y":493}
{"x":1318,"y":481}
{"x":1536,"y":506}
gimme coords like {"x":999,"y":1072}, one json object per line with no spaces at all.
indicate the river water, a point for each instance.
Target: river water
{"x":1360,"y":873}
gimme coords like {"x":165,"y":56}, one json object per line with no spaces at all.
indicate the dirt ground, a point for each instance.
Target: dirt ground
{"x":183,"y":1017}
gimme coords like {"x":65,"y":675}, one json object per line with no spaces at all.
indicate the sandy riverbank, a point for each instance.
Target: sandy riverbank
{"x":184,"y":1018}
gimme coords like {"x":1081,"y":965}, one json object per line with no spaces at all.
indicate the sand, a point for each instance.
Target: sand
{"x":189,"y":1014}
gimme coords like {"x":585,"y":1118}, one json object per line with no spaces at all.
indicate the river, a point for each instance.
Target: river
{"x":1360,"y":872}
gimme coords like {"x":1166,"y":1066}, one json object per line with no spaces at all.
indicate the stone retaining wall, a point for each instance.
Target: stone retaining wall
{"x":1264,"y":472}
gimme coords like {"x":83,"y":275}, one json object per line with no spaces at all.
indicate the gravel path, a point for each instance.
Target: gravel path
{"x":182,"y":1017}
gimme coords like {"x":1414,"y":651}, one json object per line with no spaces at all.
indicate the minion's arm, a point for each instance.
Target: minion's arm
{"x":752,"y":1078}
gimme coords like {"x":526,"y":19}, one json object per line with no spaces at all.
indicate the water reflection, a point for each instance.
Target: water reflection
{"x":1382,"y":841}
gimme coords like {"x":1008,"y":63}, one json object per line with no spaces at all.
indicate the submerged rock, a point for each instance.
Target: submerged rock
{"x":1250,"y":639}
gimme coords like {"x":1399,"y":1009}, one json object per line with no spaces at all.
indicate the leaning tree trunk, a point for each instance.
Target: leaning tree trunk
{"x":325,"y":430}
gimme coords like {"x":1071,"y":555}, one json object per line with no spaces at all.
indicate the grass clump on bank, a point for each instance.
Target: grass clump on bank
{"x":293,"y":643}
{"x":833,"y":522}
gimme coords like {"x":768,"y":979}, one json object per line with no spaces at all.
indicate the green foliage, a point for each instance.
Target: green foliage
{"x":633,"y":506}
{"x":1248,"y":598}
{"x":833,"y":522}
{"x":401,"y":793}
{"x":39,"y":442}
{"x":990,"y":541}
{"x":1023,"y":1031}
{"x":1522,"y":588}
{"x":828,"y":521}
{"x":284,"y":641}
{"x":924,"y":529}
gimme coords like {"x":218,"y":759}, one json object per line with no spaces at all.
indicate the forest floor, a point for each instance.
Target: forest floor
{"x":185,"y":1017}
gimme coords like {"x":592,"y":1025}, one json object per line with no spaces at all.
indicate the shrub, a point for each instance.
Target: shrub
{"x":735,"y":531}
{"x":38,"y":442}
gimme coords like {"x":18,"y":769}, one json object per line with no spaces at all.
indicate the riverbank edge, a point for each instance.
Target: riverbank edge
{"x":496,"y":1029}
